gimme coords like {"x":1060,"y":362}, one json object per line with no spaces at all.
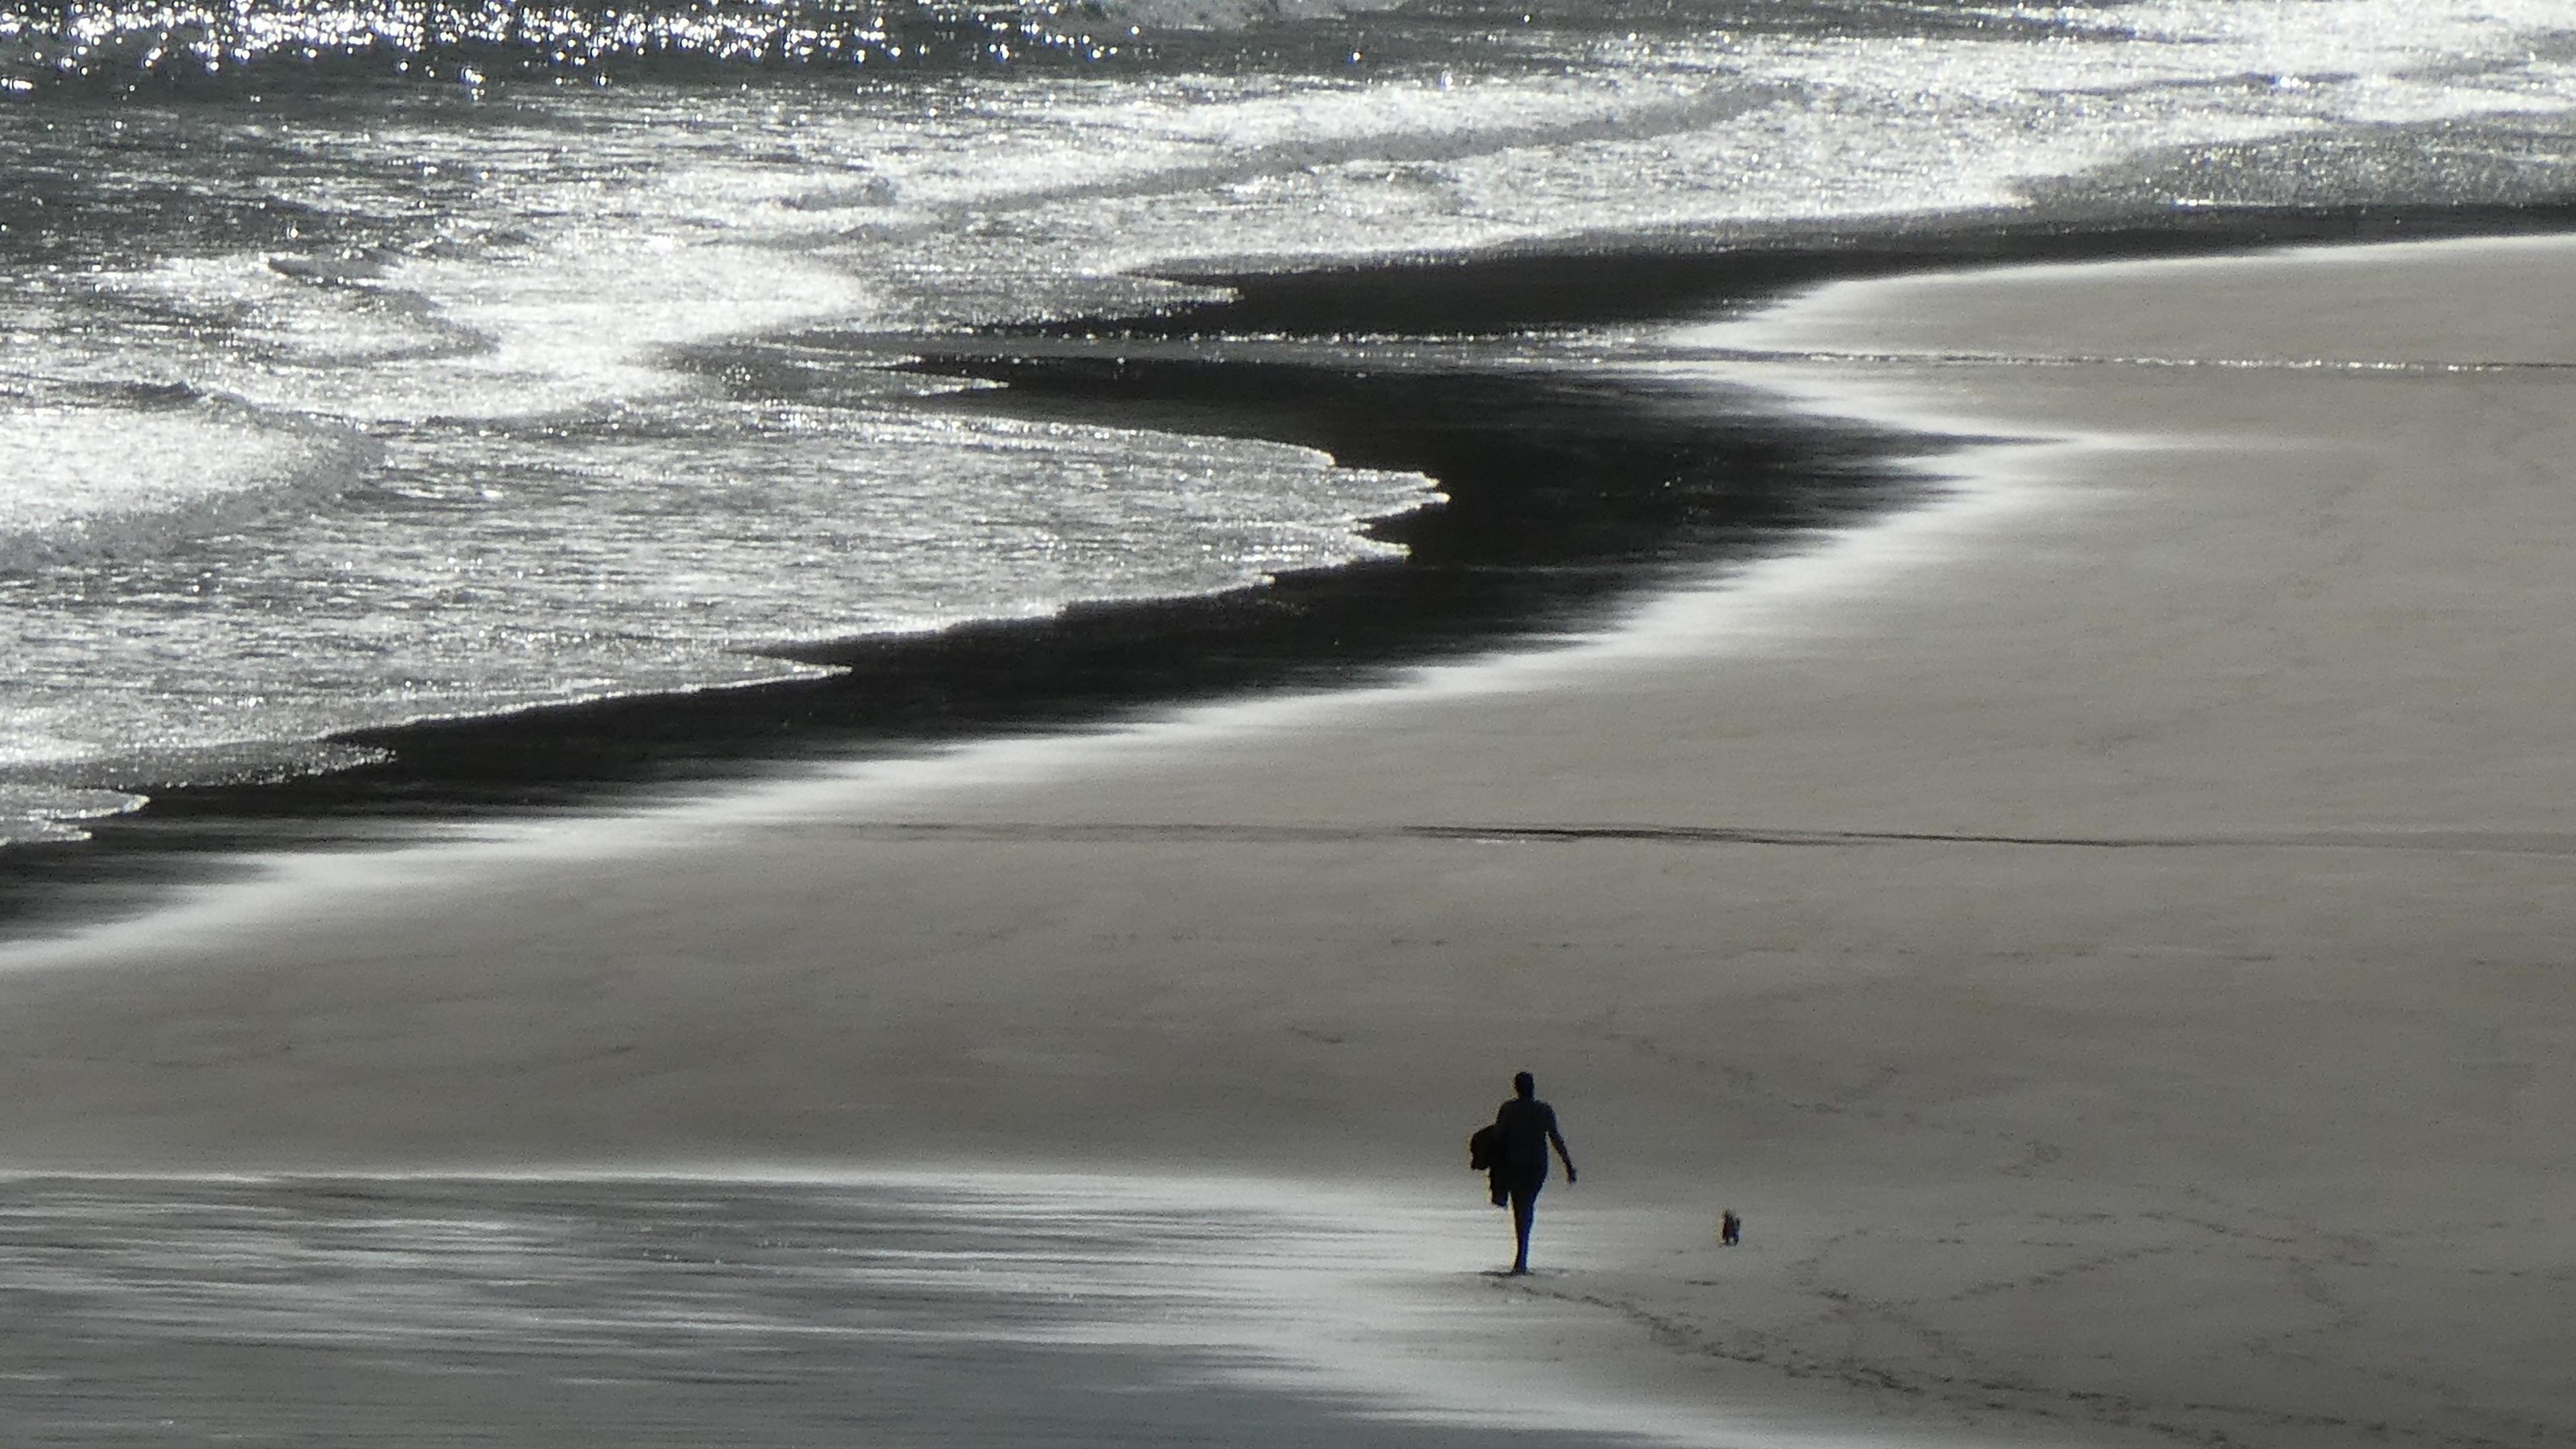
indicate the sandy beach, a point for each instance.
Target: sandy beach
{"x":2102,"y":928}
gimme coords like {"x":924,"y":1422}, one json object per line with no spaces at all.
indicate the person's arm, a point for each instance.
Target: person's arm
{"x":1558,"y":1138}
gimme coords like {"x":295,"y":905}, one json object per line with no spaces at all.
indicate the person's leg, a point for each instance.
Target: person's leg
{"x":1524,"y":1208}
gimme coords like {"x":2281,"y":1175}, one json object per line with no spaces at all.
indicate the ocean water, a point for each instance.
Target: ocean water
{"x":369,"y":363}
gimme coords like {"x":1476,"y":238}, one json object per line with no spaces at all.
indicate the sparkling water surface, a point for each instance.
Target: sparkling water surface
{"x":366,"y":364}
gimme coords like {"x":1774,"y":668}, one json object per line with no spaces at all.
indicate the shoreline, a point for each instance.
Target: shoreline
{"x":1599,"y":491}
{"x":2236,"y":1140}
{"x":1490,"y":568}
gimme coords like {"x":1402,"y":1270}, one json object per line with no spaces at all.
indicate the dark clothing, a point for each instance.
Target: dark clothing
{"x":1527,"y":1125}
{"x":1523,"y":1197}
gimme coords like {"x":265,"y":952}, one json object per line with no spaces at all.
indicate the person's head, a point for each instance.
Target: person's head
{"x":1524,"y":1084}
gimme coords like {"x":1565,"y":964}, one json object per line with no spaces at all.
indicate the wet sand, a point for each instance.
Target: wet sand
{"x":848,"y":1308}
{"x":2103,"y":929}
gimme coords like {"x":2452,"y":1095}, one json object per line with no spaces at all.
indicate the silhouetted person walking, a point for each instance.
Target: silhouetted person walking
{"x":1527,"y":1127}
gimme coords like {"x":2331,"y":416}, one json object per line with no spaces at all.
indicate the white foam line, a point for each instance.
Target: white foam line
{"x":98,"y":482}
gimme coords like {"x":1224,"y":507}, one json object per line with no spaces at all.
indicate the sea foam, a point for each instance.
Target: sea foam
{"x":90,"y":482}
